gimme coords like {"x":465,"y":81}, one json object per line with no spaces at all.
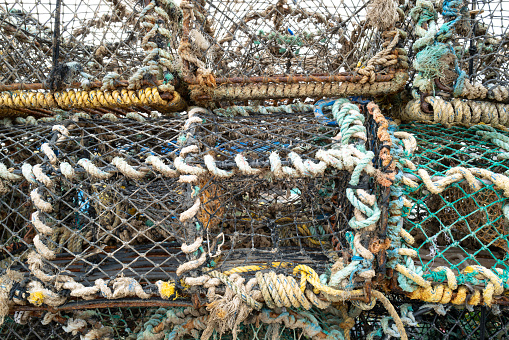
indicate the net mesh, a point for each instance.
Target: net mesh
{"x":460,"y":226}
{"x":131,"y":227}
{"x":117,"y":221}
{"x":127,"y":322}
{"x":259,"y":38}
{"x":102,"y":36}
{"x":481,"y":40}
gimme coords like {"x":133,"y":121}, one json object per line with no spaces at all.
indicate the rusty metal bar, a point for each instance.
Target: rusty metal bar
{"x":30,"y":112}
{"x":104,"y":303}
{"x":340,"y":77}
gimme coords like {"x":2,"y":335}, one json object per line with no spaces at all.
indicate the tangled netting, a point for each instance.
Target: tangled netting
{"x":254,"y":169}
{"x":126,"y":323}
{"x":460,"y":63}
{"x":143,"y":201}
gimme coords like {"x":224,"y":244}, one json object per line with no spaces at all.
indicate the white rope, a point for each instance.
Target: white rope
{"x":6,"y":174}
{"x":193,"y":246}
{"x":26,"y":170}
{"x":196,"y":110}
{"x":126,"y":287}
{"x":126,"y":169}
{"x":210,"y":163}
{"x":61,"y":129}
{"x":74,"y":326}
{"x":277,"y":169}
{"x":39,"y":202}
{"x":39,"y":225}
{"x":47,"y":253}
{"x":189,"y":149}
{"x":191,"y":212}
{"x":92,"y":170}
{"x":185,"y":267}
{"x":159,"y":166}
{"x":49,"y":153}
{"x":67,"y":170}
{"x":244,"y":166}
{"x":182,"y":167}
{"x":188,"y":178}
{"x":191,"y":120}
{"x":41,"y":176}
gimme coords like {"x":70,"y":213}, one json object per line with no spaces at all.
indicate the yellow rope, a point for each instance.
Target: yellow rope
{"x":89,"y":99}
{"x":253,"y":268}
{"x":443,"y":294}
{"x":309,"y":275}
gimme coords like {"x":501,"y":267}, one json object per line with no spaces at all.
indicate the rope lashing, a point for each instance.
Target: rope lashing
{"x":458,"y":112}
{"x":236,"y":92}
{"x":241,"y":293}
{"x":501,"y":140}
{"x":89,"y":99}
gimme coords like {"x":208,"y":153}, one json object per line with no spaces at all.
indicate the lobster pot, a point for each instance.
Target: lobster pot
{"x":259,"y":50}
{"x":479,"y":43}
{"x":430,"y":325}
{"x":93,"y":214}
{"x":126,"y":217}
{"x":100,"y":37}
{"x":257,"y":38}
{"x":460,"y":226}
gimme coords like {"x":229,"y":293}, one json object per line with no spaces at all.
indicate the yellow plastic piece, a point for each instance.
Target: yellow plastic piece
{"x":36,"y":298}
{"x":168,"y":289}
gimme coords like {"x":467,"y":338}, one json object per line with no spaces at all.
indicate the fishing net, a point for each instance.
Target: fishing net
{"x":289,"y":49}
{"x":111,"y":54}
{"x":260,"y":38}
{"x":460,"y":63}
{"x":124,"y":214}
{"x":136,"y":204}
{"x":452,"y":323}
{"x":463,"y":225}
{"x":173,"y":169}
{"x":125,"y":323}
{"x":98,"y":37}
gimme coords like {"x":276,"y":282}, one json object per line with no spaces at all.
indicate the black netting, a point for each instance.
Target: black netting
{"x":257,"y":38}
{"x":457,"y":323}
{"x":104,"y":228}
{"x":102,"y":36}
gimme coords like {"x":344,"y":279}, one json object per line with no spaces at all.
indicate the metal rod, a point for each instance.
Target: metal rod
{"x":103,"y":303}
{"x":290,"y":79}
{"x":340,"y":77}
{"x":56,"y":35}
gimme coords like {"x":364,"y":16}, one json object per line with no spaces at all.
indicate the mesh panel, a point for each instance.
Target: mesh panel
{"x":258,"y":38}
{"x":478,"y":323}
{"x":131,"y":227}
{"x":460,"y":226}
{"x":102,"y":36}
{"x":482,"y":40}
{"x":479,"y":39}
